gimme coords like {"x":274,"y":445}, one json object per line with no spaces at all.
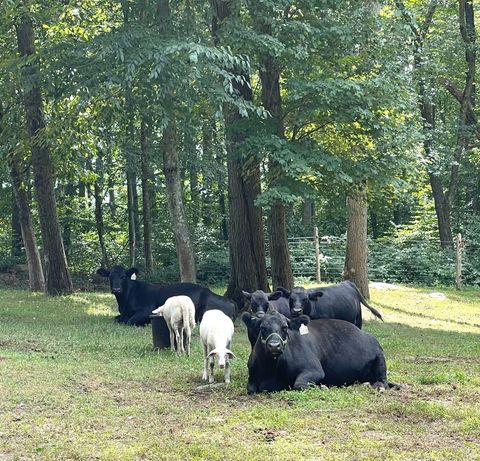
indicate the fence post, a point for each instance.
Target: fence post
{"x":318,"y":276}
{"x":458,"y":262}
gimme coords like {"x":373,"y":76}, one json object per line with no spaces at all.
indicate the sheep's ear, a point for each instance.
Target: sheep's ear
{"x":297,"y":322}
{"x":103,"y":272}
{"x":212,"y":353}
{"x":159,"y":311}
{"x":231,"y":355}
{"x":248,"y":296}
{"x":132,"y":273}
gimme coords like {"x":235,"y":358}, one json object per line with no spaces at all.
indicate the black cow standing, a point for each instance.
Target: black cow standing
{"x":292,"y":354}
{"x":136,"y":299}
{"x":341,"y":301}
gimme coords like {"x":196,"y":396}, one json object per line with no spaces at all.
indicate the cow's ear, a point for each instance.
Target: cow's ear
{"x":284,"y":291}
{"x":315,"y":293}
{"x":275,"y":295}
{"x":131,"y":271}
{"x":103,"y":272}
{"x":248,"y":296}
{"x":297,"y":322}
{"x":249,"y":320}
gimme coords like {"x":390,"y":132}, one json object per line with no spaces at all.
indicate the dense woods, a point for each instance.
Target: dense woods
{"x":192,"y":139}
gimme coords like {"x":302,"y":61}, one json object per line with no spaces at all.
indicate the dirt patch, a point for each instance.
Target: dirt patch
{"x":23,"y":346}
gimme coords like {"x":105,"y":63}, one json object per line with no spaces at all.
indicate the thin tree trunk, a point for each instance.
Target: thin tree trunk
{"x":34,"y":261}
{"x":147,"y":196}
{"x":98,"y":198}
{"x":171,"y":169}
{"x":356,"y":255}
{"x":57,"y":274}
{"x":16,"y":249}
{"x":247,"y":245}
{"x":307,"y":214}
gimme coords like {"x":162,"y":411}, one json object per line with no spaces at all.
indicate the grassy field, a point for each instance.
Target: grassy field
{"x":76,"y":386}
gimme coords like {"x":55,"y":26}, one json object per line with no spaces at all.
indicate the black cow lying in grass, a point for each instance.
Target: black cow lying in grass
{"x":259,"y":302}
{"x":136,"y":300}
{"x":292,"y":354}
{"x":341,"y":301}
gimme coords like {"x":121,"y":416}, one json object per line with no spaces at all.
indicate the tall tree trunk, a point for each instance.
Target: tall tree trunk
{"x":98,"y":198}
{"x":427,"y":111}
{"x":282,"y":274}
{"x":171,"y":169}
{"x":57,"y":274}
{"x":307,"y":214}
{"x":173,"y":173}
{"x":36,"y":277}
{"x":247,"y":245}
{"x":16,"y":249}
{"x":147,"y":195}
{"x":356,"y":255}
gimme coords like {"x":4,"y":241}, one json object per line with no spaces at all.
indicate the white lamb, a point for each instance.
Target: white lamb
{"x":216,"y":331}
{"x":179,"y":314}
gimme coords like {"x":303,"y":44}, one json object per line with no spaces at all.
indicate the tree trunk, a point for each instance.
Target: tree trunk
{"x":247,"y":246}
{"x":356,"y":255}
{"x":282,"y":274}
{"x":171,"y":169}
{"x":34,"y":261}
{"x":147,"y":196}
{"x":16,"y":249}
{"x":98,"y":197}
{"x":132,"y":236}
{"x":307,"y":214}
{"x":57,"y":274}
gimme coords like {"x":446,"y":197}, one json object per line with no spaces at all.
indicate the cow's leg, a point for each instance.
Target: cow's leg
{"x":186,"y":332}
{"x":358,"y":320}
{"x":140,"y":318}
{"x":308,"y":377}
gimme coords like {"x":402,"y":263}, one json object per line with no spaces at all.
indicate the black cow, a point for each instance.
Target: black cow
{"x":332,"y":352}
{"x":259,"y":301}
{"x":342,"y":301}
{"x":136,"y":300}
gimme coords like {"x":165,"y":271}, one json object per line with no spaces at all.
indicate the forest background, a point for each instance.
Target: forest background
{"x":201,"y":140}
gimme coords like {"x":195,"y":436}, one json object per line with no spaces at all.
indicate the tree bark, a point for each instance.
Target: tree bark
{"x":356,"y":256}
{"x":36,"y":277}
{"x":16,"y":248}
{"x":307,"y":214}
{"x":282,"y":274}
{"x":98,"y":198}
{"x":147,"y":196}
{"x":171,"y":169}
{"x":56,"y":270}
{"x":246,"y":240}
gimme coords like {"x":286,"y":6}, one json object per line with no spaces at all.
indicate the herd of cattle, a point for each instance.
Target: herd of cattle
{"x":298,"y":337}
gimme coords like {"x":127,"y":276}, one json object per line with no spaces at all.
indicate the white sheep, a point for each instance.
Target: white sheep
{"x":216,"y":331}
{"x":179,"y":314}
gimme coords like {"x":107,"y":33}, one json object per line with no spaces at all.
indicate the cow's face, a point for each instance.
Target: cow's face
{"x":300,"y":298}
{"x":274,"y":332}
{"x":118,"y":277}
{"x":258,"y":301}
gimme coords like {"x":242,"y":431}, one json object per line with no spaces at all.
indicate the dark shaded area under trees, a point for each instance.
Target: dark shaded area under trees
{"x":193,"y":139}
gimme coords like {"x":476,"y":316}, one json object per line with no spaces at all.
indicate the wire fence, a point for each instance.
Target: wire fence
{"x":394,"y":260}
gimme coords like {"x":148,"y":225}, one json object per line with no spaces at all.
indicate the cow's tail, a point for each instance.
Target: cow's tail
{"x":374,"y":311}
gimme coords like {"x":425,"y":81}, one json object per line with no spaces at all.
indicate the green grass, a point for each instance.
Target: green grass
{"x":76,"y":386}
